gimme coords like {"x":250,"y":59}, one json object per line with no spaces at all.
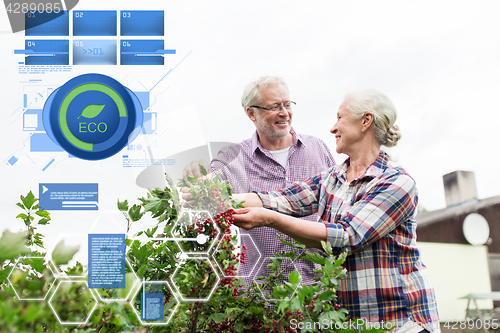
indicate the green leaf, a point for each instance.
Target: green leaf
{"x":203,"y":170}
{"x":295,"y":245}
{"x":327,"y":295}
{"x":29,"y":200}
{"x":331,"y":316}
{"x":22,"y":216}
{"x":122,"y":205}
{"x":34,"y":285}
{"x":31,"y":313}
{"x":327,"y":247}
{"x":192,"y":179}
{"x":63,"y":253}
{"x":12,"y":245}
{"x":135,"y":213}
{"x":295,"y":305}
{"x":43,"y":221}
{"x":43,"y":213}
{"x":20,"y":205}
{"x":37,"y":264}
{"x":4,"y":273}
{"x":237,"y":203}
{"x":315,"y":257}
{"x":294,"y":277}
{"x":328,"y":268}
{"x":218,"y":317}
{"x":92,"y":110}
{"x":280,"y":291}
{"x":153,"y":205}
{"x":283,"y":306}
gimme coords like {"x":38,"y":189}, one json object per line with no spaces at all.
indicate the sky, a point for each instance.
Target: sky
{"x":436,"y":60}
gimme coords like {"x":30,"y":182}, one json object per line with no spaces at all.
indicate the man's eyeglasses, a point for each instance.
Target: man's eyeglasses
{"x":276,"y":108}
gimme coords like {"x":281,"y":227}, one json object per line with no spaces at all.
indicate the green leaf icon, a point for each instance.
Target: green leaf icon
{"x":92,"y":110}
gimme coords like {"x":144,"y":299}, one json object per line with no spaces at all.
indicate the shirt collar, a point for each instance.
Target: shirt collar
{"x":373,"y":171}
{"x":256,"y":144}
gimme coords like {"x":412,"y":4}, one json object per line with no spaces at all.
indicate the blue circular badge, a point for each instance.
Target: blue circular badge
{"x":92,"y":116}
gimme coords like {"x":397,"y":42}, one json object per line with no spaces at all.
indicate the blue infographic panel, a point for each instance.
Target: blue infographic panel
{"x":152,"y":306}
{"x":56,"y":24}
{"x":142,"y":23}
{"x":46,"y":52}
{"x":106,"y":261}
{"x":94,"y":52}
{"x":94,"y":23}
{"x":68,"y":196}
{"x":141,"y":52}
{"x":41,"y":142}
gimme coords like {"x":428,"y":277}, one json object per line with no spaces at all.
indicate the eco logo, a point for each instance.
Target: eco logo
{"x":92,"y":116}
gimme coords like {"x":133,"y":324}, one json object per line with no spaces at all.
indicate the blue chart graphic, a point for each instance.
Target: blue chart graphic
{"x":94,"y":52}
{"x":94,"y":23}
{"x":56,"y":24}
{"x":68,"y":196}
{"x":45,"y":52}
{"x":92,"y":116}
{"x":142,"y":23}
{"x":106,"y":261}
{"x":142,"y":52}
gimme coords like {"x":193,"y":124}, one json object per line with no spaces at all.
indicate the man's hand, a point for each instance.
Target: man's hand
{"x":193,"y":170}
{"x":253,"y":217}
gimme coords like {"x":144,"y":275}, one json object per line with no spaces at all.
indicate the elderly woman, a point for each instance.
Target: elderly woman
{"x":368,"y":207}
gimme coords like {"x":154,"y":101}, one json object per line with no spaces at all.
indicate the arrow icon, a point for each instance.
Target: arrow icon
{"x":44,"y":189}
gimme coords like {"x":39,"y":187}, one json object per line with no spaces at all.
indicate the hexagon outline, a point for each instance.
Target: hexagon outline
{"x":161,"y":239}
{"x":111,"y":300}
{"x":238,"y":276}
{"x":104,"y":212}
{"x":73,"y":323}
{"x":214,"y":241}
{"x":62,"y":274}
{"x":56,"y":276}
{"x":284,"y":299}
{"x":173,"y":312}
{"x":195,"y":299}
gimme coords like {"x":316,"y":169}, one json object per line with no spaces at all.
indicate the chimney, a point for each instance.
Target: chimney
{"x":459,"y":187}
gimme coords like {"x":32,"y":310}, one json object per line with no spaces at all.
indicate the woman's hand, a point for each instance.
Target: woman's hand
{"x":253,"y":217}
{"x":307,"y":232}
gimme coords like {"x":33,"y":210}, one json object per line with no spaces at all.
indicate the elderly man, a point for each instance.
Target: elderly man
{"x":274,"y":157}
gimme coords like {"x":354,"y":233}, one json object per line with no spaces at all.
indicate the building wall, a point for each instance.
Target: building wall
{"x":455,"y":271}
{"x":449,"y":230}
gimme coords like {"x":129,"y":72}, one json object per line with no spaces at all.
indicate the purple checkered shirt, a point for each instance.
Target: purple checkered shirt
{"x":248,"y":167}
{"x":373,"y":218}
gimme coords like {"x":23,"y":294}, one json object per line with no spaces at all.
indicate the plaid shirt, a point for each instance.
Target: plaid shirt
{"x":248,"y":167}
{"x":373,"y":218}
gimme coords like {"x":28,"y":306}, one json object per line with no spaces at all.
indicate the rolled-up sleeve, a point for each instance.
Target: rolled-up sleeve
{"x":298,"y":199}
{"x":336,"y":235}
